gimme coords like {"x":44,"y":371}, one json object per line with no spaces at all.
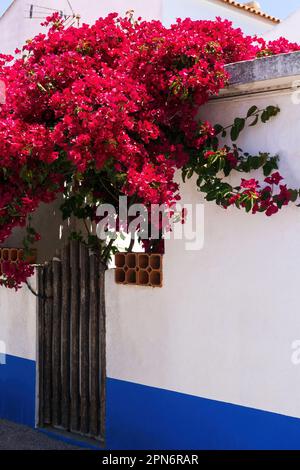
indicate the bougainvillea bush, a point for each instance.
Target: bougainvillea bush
{"x":100,"y":111}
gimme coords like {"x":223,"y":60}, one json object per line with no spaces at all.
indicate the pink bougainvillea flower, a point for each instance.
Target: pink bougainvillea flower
{"x":111,"y":109}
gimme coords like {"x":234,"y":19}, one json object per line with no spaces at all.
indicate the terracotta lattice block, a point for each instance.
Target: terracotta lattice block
{"x":143,"y":278}
{"x":120,"y":276}
{"x":13,"y":255}
{"x":139,"y":269}
{"x":120,"y":260}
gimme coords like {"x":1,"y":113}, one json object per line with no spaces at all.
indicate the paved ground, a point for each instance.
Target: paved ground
{"x":16,"y":437}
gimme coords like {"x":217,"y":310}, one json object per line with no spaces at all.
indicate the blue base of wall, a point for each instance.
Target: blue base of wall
{"x":141,"y":417}
{"x":17,"y":390}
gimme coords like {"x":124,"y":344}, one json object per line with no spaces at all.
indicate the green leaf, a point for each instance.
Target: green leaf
{"x":269,"y":112}
{"x":211,"y":196}
{"x":265,"y":116}
{"x":254,"y":122}
{"x":222,"y":163}
{"x":263,"y":158}
{"x":234,"y":133}
{"x":227,"y":170}
{"x":218,"y":129}
{"x":255,"y":163}
{"x":270,"y":165}
{"x":199,"y":181}
{"x":272,"y":110}
{"x":293,"y":194}
{"x":248,"y":205}
{"x":268,"y":168}
{"x":252,"y":111}
{"x":238,"y":126}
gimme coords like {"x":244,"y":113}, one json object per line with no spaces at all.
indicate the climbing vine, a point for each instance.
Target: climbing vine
{"x":100,"y":111}
{"x":215,"y":163}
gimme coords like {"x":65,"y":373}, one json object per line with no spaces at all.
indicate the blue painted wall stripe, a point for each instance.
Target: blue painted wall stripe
{"x":17,"y":390}
{"x":142,"y":417}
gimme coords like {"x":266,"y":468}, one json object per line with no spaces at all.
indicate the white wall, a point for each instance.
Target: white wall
{"x":223,"y":324}
{"x":18,"y":321}
{"x":209,"y":9}
{"x":289,"y":29}
{"x":15,"y":28}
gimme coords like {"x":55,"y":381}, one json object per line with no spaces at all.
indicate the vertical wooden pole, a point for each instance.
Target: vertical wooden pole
{"x":56,"y":344}
{"x":94,"y":345}
{"x":65,"y":365}
{"x":41,"y":345}
{"x":84,"y":338}
{"x":48,"y":344}
{"x":75,"y":289}
{"x":102,"y":347}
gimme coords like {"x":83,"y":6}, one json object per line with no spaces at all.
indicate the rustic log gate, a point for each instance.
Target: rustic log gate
{"x":71,"y":329}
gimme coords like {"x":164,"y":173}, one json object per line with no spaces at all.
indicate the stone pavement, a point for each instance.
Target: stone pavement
{"x":17,"y":437}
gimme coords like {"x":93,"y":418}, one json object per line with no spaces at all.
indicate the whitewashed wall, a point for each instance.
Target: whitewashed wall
{"x":18,"y":322}
{"x":289,"y":28}
{"x":209,"y":9}
{"x":16,"y":28}
{"x":224,"y":322}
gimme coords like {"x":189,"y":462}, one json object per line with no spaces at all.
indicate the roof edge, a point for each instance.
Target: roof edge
{"x":252,"y":10}
{"x":8,"y":8}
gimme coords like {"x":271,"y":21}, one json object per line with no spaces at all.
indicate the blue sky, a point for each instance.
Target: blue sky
{"x":280,"y":8}
{"x":3,"y":5}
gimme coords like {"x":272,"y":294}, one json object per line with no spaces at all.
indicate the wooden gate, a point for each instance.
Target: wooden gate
{"x":71,"y":330}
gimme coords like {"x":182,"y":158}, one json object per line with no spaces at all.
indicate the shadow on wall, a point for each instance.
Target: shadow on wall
{"x":54,"y":231}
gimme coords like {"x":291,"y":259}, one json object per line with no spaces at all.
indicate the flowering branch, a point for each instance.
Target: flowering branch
{"x":111,"y":109}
